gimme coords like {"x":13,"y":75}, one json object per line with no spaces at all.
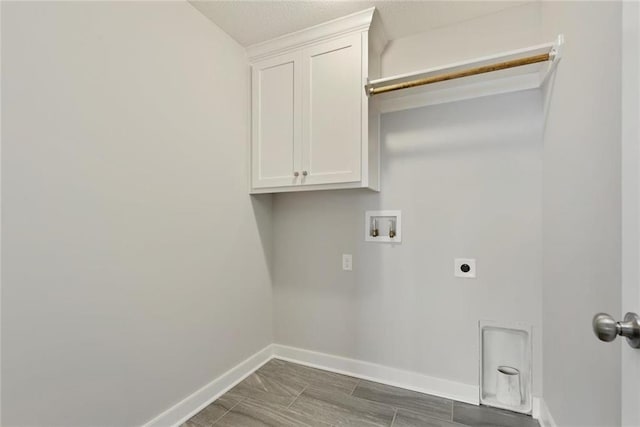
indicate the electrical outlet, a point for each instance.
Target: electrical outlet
{"x":347,"y":262}
{"x":465,"y":268}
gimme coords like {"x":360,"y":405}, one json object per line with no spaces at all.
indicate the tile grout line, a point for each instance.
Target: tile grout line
{"x":355,"y":387}
{"x":299,"y":394}
{"x":358,"y":383}
{"x":229,"y":410}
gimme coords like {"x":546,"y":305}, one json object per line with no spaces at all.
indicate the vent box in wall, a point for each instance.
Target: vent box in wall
{"x":505,"y":366}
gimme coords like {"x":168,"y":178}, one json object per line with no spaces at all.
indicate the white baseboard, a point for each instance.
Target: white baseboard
{"x":191,"y":405}
{"x":194,"y":403}
{"x":379,"y":373}
{"x":544,"y":416}
{"x":535,"y":407}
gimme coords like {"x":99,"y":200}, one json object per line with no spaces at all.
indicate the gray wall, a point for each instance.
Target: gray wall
{"x":135,"y":266}
{"x":467,"y":177}
{"x":511,"y":28}
{"x":582,"y":215}
{"x":134,"y":271}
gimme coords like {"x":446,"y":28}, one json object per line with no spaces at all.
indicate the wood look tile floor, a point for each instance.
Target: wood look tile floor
{"x":287,"y":394}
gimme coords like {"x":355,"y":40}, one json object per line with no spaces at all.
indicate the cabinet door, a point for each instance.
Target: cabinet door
{"x":332,"y":111}
{"x":276,"y":121}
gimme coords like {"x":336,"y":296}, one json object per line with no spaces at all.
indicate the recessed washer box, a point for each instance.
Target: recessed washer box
{"x":383,"y":226}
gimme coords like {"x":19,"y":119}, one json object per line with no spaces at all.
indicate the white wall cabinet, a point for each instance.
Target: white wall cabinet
{"x":313,"y":127}
{"x":276,"y":120}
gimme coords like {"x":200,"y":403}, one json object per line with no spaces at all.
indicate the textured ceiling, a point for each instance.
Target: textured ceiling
{"x":250,"y":22}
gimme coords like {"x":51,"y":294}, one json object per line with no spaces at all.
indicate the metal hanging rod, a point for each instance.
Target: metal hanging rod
{"x":463,"y":73}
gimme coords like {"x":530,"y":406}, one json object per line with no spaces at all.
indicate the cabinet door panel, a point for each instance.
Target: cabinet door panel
{"x":331,"y":149}
{"x":276,"y":121}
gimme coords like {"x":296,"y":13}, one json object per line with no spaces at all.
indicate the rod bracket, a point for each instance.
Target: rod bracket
{"x":368,"y":89}
{"x":556,"y":51}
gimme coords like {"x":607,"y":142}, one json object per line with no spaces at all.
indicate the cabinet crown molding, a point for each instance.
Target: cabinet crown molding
{"x":359,"y":21}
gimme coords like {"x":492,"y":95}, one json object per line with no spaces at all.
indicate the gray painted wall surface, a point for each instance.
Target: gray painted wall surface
{"x":467,"y":177}
{"x":134,"y":271}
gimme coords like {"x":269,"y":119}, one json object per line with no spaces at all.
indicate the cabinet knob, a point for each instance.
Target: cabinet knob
{"x":296,"y":173}
{"x":305,"y":173}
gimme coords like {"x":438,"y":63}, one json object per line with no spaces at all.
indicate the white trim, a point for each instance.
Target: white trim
{"x":194,"y":403}
{"x":455,"y":91}
{"x":469,"y":63}
{"x":382,"y":374}
{"x":505,"y":81}
{"x":311,"y":187}
{"x":359,"y":21}
{"x":535,"y":407}
{"x":542,"y":414}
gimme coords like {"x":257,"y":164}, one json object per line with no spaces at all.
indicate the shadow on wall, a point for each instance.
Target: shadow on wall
{"x":476,"y":125}
{"x":262,"y":211}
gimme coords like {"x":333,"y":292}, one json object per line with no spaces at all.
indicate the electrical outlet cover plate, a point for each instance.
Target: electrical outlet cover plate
{"x":347,"y":262}
{"x":462,"y":264}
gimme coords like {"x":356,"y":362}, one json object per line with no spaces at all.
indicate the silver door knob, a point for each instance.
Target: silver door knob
{"x":296,"y":174}
{"x":305,"y":173}
{"x":607,"y":329}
